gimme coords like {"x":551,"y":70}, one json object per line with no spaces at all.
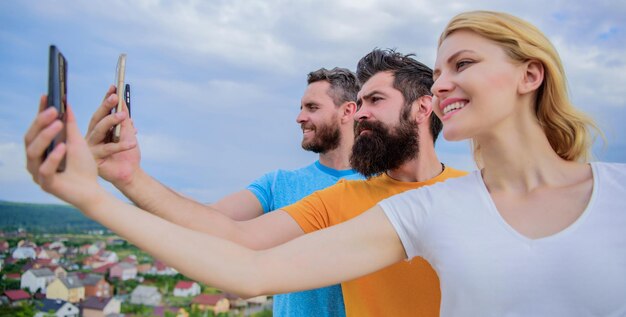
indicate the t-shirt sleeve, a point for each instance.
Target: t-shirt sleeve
{"x":262,"y":189}
{"x":408,"y":213}
{"x":311,"y":212}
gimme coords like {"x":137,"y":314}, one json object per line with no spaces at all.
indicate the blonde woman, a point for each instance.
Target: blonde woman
{"x":537,"y":231}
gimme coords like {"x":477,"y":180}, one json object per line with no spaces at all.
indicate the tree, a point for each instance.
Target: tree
{"x":25,"y":309}
{"x":136,"y":310}
{"x":264,"y":313}
{"x":8,"y":284}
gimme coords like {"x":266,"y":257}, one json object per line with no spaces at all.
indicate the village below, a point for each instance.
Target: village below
{"x":96,"y":273}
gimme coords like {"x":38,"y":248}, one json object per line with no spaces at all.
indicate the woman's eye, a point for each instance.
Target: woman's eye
{"x":461,"y":64}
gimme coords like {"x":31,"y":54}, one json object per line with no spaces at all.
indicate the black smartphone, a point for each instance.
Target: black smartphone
{"x":127,"y":98}
{"x":57,"y":96}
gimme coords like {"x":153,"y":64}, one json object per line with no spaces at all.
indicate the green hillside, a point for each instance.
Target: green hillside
{"x":44,"y":218}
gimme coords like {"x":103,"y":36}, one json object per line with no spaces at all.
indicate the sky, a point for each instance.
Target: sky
{"x":217,"y":84}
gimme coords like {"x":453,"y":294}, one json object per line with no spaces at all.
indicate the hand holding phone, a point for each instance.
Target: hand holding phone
{"x":57,"y":95}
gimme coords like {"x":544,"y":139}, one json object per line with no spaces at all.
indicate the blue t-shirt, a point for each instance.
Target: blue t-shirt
{"x":281,"y":188}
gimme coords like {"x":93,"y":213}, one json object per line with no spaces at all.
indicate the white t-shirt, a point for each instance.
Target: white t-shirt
{"x":486,"y":268}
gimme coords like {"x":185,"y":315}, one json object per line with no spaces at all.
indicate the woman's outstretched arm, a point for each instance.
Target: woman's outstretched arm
{"x":357,"y":247}
{"x":339,"y":253}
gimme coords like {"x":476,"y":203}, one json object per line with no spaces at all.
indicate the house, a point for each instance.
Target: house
{"x":160,"y":311}
{"x":4,"y":247}
{"x":186,"y":288}
{"x":145,"y":295}
{"x":54,"y":256}
{"x":58,"y":246}
{"x":96,"y":247}
{"x":84,"y":249}
{"x":108,"y":256}
{"x":36,"y":264}
{"x":123,"y":271}
{"x":144,"y":268}
{"x":258,"y":300}
{"x":37,"y":279}
{"x":115,"y":241}
{"x":132,"y":259}
{"x":58,"y":270}
{"x":56,"y":307}
{"x":9,"y":260}
{"x":92,"y":262}
{"x":24,"y":253}
{"x":100,"y":259}
{"x":218,"y":303}
{"x":160,"y":268}
{"x":26,"y":243}
{"x":236,"y":302}
{"x":69,"y":289}
{"x":12,"y":276}
{"x":95,"y":284}
{"x":103,"y":269}
{"x":93,"y":249}
{"x":40,"y":263}
{"x":42,"y":253}
{"x":100,"y":306}
{"x":16,"y":296}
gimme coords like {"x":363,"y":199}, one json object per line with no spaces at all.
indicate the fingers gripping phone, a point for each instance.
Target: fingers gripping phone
{"x":121,"y":93}
{"x":57,"y":96}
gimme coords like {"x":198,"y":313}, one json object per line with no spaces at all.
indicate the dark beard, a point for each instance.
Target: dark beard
{"x":383,"y":148}
{"x":327,"y":138}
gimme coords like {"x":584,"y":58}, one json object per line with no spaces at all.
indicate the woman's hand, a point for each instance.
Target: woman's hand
{"x":76,"y":185}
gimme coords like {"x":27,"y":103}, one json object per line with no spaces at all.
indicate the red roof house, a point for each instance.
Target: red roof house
{"x":218,"y":303}
{"x":186,"y":288}
{"x":16,"y":295}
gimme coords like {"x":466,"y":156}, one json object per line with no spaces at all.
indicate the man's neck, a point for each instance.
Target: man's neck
{"x":424,"y":166}
{"x":338,"y":159}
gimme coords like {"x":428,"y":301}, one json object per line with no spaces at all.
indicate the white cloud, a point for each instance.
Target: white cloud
{"x":13,"y":164}
{"x":593,"y":80}
{"x":212,"y":96}
{"x":162,"y":148}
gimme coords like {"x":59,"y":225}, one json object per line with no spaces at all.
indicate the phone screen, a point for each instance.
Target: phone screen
{"x":57,"y":95}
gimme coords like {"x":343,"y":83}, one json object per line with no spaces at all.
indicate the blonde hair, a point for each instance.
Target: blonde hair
{"x":567,"y":129}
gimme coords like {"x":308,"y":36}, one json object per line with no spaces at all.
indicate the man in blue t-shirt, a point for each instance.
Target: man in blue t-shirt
{"x":327,"y":120}
{"x":326,"y":108}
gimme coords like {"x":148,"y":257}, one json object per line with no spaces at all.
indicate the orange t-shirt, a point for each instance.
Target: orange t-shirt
{"x":407,"y":288}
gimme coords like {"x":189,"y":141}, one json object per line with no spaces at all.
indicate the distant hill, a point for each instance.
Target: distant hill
{"x":42,"y":218}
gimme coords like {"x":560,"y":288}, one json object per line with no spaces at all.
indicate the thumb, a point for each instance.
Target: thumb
{"x":72,"y":127}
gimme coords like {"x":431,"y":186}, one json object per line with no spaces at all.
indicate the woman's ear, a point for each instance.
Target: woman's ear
{"x":533,"y":77}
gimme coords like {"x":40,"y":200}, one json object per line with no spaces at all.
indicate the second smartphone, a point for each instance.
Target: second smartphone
{"x":57,"y":95}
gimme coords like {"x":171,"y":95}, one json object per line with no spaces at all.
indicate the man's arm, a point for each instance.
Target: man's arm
{"x":241,"y":205}
{"x":262,"y":232}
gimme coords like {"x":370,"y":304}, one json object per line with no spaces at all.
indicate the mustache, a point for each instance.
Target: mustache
{"x":307,"y":126}
{"x":373,"y":126}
